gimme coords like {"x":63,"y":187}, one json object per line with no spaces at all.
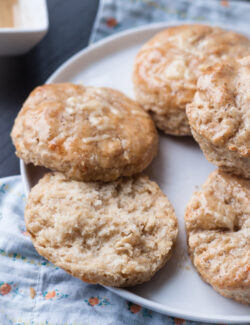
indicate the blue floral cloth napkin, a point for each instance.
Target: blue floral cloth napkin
{"x":117,"y":15}
{"x":34,"y":291}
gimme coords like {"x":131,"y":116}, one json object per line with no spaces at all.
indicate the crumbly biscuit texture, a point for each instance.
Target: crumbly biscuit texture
{"x":218,"y":228}
{"x":219,"y":115}
{"x":167,"y":68}
{"x":87,"y":133}
{"x":116,"y":234}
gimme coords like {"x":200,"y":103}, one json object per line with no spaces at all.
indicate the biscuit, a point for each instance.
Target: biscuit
{"x":219,"y":115}
{"x":167,"y":68}
{"x":87,"y":133}
{"x":116,"y":234}
{"x":218,"y":229}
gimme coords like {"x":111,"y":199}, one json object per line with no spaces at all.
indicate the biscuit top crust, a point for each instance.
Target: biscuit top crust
{"x":218,"y":227}
{"x":220,"y":111}
{"x":120,"y":231}
{"x":84,"y":127}
{"x":170,"y":63}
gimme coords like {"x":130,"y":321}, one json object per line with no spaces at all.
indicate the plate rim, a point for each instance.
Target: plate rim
{"x":122,"y":292}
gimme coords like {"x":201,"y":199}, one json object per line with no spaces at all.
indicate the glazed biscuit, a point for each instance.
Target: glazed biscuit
{"x":167,"y":68}
{"x":87,"y":133}
{"x":219,"y":115}
{"x":116,"y":234}
{"x":218,"y":229}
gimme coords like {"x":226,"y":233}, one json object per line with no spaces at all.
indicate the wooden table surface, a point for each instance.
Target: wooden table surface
{"x":69,"y":30}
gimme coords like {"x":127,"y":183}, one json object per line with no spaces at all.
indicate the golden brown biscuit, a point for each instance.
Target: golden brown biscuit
{"x":219,"y":115}
{"x":116,"y":234}
{"x":167,"y":68}
{"x":87,"y":133}
{"x":218,"y":229}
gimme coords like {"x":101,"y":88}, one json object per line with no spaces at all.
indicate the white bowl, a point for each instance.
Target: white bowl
{"x":31,"y":25}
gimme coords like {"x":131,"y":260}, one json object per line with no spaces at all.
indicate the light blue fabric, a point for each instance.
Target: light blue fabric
{"x":117,"y":15}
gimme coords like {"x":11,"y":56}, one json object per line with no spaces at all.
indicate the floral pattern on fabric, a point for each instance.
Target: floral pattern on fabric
{"x":134,"y":309}
{"x":17,"y":256}
{"x":10,"y":288}
{"x":5,"y":288}
{"x":111,"y":22}
{"x":3,"y":188}
{"x":179,"y":321}
{"x":54,"y":295}
{"x":225,"y":3}
{"x":118,"y":15}
{"x":97,"y":301}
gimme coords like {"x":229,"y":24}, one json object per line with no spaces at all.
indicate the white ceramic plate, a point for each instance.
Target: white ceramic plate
{"x":179,"y":169}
